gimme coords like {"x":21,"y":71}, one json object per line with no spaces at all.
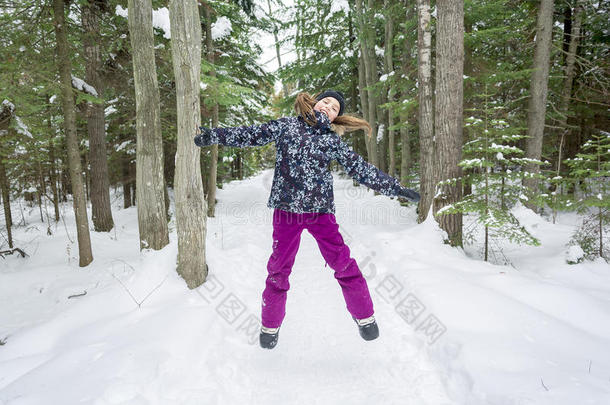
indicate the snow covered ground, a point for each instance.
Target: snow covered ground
{"x":453,"y":329}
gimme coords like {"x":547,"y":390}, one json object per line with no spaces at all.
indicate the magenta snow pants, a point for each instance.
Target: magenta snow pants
{"x":287,"y":228}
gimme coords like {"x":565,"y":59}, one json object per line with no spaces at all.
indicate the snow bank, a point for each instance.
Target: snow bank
{"x":453,"y":330}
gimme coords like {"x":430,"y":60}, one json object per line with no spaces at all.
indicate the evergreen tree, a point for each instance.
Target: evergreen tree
{"x":591,"y":169}
{"x":492,"y":166}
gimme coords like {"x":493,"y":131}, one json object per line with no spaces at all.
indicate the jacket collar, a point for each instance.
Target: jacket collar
{"x":323,"y":120}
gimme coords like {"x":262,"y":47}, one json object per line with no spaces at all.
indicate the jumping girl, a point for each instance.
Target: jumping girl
{"x":302,"y":198}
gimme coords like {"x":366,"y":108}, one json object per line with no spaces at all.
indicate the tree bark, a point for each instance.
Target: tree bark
{"x":5,"y":188}
{"x":152,"y":221}
{"x":6,"y":114}
{"x":427,"y":158}
{"x":370,"y":64}
{"x":566,"y":92}
{"x":189,"y":198}
{"x":52,"y":168}
{"x":367,"y":41}
{"x":364,"y":99}
{"x":448,"y":111}
{"x":74,"y":163}
{"x":389,"y":68}
{"x":213,"y":171}
{"x":126,"y":182}
{"x":100,"y":185}
{"x":538,"y":94}
{"x":405,"y":160}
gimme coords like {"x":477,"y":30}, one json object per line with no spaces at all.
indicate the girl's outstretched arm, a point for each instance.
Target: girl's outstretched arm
{"x":369,"y":175}
{"x":254,"y":135}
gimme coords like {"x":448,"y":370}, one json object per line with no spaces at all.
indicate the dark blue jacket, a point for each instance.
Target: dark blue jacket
{"x":302,"y":181}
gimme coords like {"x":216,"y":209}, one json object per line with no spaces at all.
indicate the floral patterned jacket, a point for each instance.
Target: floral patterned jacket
{"x":302,"y":181}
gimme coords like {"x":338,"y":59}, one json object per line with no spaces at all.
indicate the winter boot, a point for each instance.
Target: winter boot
{"x":367,"y":327}
{"x":268,"y":337}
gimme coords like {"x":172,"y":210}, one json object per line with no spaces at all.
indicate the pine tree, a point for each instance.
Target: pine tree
{"x":591,"y":169}
{"x":492,"y":166}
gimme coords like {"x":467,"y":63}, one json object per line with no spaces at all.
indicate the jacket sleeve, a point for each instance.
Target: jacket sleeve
{"x":254,"y":135}
{"x":368,"y":174}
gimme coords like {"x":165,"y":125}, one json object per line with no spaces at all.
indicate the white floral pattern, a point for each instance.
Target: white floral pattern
{"x":302,"y":181}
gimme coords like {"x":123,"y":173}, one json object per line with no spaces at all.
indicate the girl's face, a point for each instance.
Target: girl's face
{"x":329,"y":106}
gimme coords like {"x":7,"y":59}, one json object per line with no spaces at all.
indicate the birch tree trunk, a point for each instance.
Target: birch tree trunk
{"x":448,"y":112}
{"x":427,"y":158}
{"x":85,"y":256}
{"x":189,"y":198}
{"x":100,"y":185}
{"x":213,"y":171}
{"x":152,"y":221}
{"x":538,"y":94}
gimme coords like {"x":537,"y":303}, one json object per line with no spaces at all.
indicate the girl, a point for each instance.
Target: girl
{"x":302,"y":198}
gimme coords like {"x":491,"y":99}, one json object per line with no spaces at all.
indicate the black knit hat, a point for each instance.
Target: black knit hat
{"x":336,"y":95}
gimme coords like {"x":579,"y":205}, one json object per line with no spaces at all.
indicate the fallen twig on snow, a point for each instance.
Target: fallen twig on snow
{"x":78,"y":295}
{"x":11,"y":251}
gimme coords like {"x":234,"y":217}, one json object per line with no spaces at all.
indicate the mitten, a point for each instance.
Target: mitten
{"x":409,"y":194}
{"x":204,"y":137}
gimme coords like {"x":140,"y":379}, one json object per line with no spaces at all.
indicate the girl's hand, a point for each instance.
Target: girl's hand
{"x":410,"y":195}
{"x":204,"y":137}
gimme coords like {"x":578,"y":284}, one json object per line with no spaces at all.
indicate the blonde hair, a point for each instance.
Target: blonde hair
{"x":303,"y":106}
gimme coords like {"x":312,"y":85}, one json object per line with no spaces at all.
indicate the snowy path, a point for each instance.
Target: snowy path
{"x":498,"y":332}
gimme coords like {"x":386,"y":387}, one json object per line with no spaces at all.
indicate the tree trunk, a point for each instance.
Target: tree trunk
{"x":126,"y":182}
{"x":427,"y":159}
{"x":5,"y":188}
{"x":188,"y":185}
{"x":6,"y":114}
{"x":213,"y":171}
{"x":100,"y":187}
{"x":405,"y":159}
{"x":468,"y":93}
{"x":364,"y":98}
{"x":52,"y":168}
{"x":85,"y":166}
{"x":367,"y":41}
{"x":41,"y":191}
{"x":389,"y":68}
{"x":567,"y":88}
{"x":538,"y":94}
{"x":370,"y":65}
{"x":569,"y":72}
{"x":448,"y":110}
{"x":78,"y":193}
{"x":277,"y":46}
{"x":152,"y":222}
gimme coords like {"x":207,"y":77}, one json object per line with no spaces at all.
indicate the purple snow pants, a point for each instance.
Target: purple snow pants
{"x":287,"y":228}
